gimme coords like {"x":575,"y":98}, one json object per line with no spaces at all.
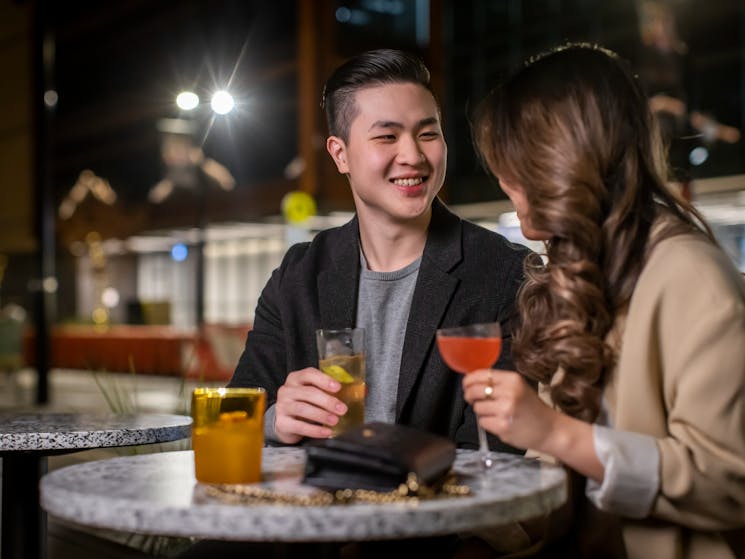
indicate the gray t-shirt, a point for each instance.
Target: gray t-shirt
{"x":383,"y":304}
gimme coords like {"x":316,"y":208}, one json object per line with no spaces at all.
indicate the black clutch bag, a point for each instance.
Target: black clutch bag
{"x":378,"y":457}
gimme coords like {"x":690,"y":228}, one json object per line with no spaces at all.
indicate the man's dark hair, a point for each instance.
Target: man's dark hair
{"x":369,"y":69}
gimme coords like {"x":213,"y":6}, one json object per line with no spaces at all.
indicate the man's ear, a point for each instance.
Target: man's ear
{"x":338,"y":151}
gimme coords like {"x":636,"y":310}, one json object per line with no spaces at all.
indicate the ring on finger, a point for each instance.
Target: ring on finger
{"x":488,"y":391}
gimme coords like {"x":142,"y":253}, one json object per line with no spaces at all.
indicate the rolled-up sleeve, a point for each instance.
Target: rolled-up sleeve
{"x":632,"y":472}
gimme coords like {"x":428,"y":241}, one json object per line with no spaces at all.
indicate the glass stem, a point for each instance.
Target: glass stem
{"x":484,"y":447}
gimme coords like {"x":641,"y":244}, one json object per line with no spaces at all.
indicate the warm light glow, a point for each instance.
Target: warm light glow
{"x":110,"y":297}
{"x":51,"y":98}
{"x":99,"y":316}
{"x":187,"y":100}
{"x":222,"y":102}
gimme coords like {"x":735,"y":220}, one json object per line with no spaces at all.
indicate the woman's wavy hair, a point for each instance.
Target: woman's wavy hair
{"x":572,"y":129}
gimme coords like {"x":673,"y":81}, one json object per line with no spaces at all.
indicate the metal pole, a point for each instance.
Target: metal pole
{"x":44,"y":286}
{"x":201,"y":233}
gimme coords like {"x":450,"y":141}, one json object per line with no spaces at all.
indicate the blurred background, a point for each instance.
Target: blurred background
{"x":158,"y":157}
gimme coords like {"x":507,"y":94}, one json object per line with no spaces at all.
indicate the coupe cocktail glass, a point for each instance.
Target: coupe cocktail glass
{"x":466,"y":349}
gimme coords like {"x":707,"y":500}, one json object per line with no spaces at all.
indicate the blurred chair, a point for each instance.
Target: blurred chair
{"x":216,"y":352}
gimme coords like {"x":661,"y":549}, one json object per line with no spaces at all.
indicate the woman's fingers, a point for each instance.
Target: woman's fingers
{"x":485,"y":384}
{"x":508,"y":407}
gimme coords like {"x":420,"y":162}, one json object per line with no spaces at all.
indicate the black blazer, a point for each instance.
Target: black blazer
{"x":468,"y":275}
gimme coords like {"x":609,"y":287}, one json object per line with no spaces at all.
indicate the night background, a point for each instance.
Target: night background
{"x":88,"y":116}
{"x":118,"y":67}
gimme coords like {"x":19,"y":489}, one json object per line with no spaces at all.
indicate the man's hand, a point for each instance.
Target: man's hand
{"x":306,"y":406}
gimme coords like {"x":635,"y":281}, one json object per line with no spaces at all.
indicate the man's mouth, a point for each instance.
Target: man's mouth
{"x":409,"y":182}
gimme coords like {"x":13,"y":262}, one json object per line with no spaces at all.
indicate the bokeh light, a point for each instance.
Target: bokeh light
{"x":110,"y":297}
{"x":187,"y":100}
{"x":179,"y":252}
{"x":222,"y":102}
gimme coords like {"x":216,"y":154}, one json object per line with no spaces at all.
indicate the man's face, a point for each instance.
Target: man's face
{"x":395,"y":157}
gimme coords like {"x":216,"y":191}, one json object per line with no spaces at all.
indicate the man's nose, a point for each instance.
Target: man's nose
{"x":410,"y":152}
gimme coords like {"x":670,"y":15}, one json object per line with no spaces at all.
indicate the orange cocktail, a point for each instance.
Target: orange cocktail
{"x":464,"y":354}
{"x":228,"y":434}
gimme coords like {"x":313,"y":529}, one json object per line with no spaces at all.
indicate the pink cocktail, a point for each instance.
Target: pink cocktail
{"x":464,"y":354}
{"x":466,"y":349}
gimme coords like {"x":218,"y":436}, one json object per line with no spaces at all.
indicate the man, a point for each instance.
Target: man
{"x":401,"y":268}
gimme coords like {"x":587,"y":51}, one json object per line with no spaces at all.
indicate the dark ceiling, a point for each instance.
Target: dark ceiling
{"x":119,"y":66}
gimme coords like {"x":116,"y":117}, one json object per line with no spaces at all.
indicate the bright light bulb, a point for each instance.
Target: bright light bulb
{"x":187,"y":100}
{"x":222,"y":102}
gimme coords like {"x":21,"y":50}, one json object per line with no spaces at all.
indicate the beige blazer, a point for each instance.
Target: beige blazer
{"x":680,"y":377}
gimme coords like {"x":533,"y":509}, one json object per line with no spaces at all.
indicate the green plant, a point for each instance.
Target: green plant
{"x":124,"y":399}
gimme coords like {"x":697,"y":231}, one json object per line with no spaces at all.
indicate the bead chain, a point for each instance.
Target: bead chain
{"x":410,"y":492}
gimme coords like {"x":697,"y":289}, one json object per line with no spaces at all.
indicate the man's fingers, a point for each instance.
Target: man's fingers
{"x":313,"y":377}
{"x":291,"y":430}
{"x":307,"y":412}
{"x":289,"y":398}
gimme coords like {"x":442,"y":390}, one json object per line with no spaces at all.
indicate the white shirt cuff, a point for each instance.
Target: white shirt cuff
{"x":632,"y":472}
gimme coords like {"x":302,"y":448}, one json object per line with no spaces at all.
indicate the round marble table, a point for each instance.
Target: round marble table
{"x":26,"y":439}
{"x":158,"y":494}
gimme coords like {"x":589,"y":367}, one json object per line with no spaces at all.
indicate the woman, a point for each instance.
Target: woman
{"x":635,"y":327}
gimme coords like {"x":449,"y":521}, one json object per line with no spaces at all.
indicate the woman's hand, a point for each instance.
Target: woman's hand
{"x":508,"y":407}
{"x":306,"y":406}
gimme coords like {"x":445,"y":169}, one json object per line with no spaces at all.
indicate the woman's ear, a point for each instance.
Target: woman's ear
{"x":338,"y":151}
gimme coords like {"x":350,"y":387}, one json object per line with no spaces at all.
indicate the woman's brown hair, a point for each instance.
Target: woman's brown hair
{"x":572,"y":129}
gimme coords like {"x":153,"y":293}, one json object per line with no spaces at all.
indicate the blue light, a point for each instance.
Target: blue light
{"x":698,"y":155}
{"x":179,"y":252}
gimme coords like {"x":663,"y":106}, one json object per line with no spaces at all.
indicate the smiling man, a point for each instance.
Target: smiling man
{"x":401,"y":268}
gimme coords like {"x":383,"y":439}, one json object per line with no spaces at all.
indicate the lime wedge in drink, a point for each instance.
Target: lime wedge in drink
{"x":339,"y":373}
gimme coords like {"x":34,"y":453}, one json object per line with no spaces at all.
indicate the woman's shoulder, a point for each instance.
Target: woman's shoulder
{"x":689,"y":263}
{"x":692,"y":252}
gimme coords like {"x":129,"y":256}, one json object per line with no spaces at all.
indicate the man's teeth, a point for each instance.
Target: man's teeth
{"x":408,"y":182}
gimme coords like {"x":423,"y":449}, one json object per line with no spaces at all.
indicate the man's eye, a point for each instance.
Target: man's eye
{"x":430,"y":135}
{"x":386,"y":137}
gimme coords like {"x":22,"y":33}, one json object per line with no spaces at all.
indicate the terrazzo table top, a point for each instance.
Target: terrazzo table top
{"x":49,"y":432}
{"x":158,"y":494}
{"x":26,"y":439}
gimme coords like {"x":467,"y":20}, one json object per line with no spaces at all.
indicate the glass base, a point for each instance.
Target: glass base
{"x":487,"y":460}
